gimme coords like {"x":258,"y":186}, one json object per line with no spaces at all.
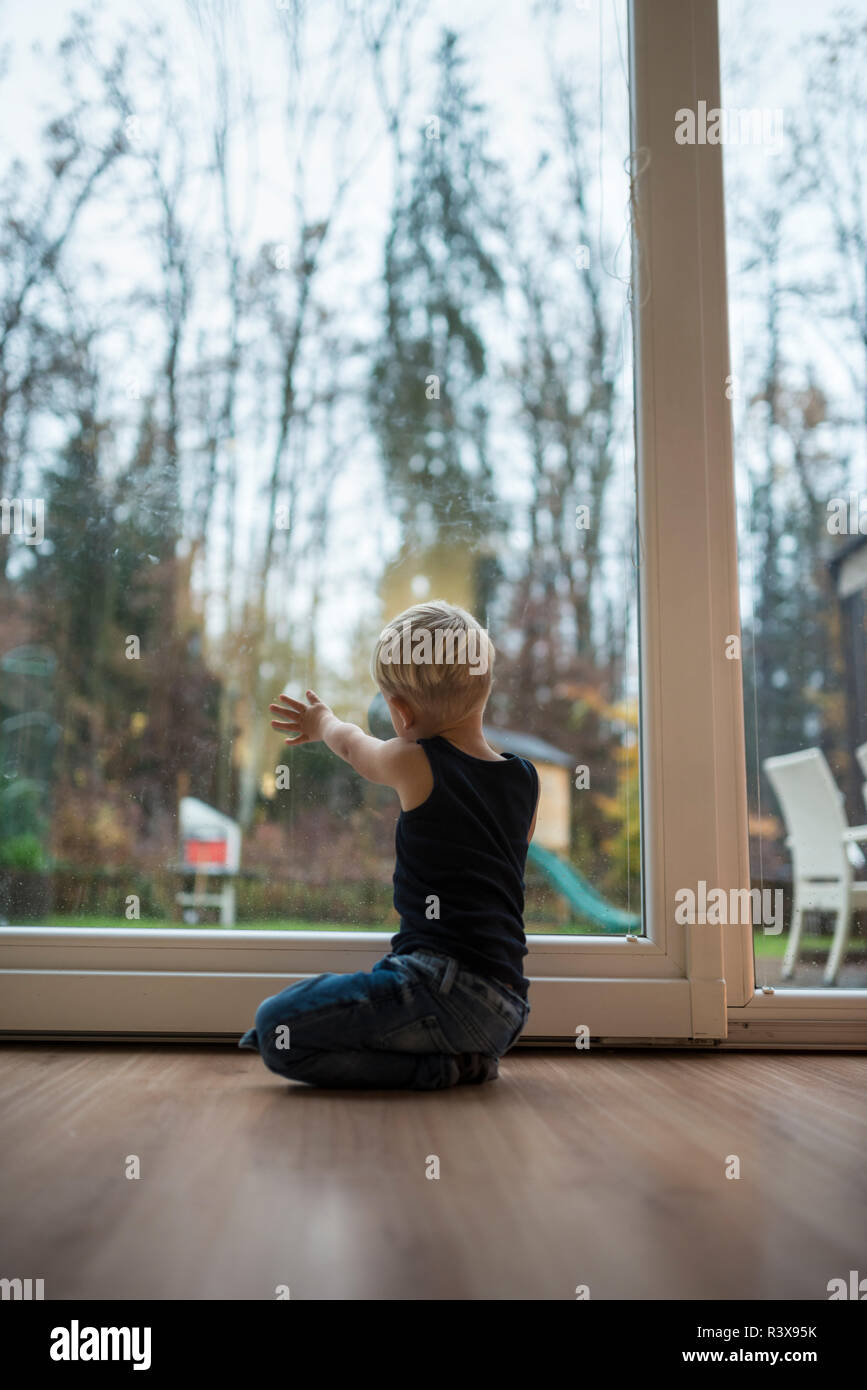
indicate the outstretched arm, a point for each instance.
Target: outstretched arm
{"x":385,"y":762}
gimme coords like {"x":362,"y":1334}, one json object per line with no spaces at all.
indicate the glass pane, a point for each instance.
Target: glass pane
{"x":309,"y":312}
{"x":796,"y":216}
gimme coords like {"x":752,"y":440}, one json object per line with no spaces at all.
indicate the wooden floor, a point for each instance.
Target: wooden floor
{"x":599,"y":1168}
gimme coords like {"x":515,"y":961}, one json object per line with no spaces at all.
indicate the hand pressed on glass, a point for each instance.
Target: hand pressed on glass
{"x":305,"y":721}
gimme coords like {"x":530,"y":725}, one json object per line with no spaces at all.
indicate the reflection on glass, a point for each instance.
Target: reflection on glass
{"x":308,"y":312}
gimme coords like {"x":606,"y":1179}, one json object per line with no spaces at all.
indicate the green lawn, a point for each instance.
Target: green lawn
{"x":766,"y":947}
{"x":291,"y":924}
{"x":773,"y":947}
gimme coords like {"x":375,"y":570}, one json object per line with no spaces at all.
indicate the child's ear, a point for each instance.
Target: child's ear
{"x":401,"y":713}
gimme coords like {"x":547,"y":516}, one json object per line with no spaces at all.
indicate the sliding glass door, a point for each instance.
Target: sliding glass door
{"x":383,"y":303}
{"x":793,"y":138}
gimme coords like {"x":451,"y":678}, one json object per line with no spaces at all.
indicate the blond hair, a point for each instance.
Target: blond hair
{"x":436,"y":656}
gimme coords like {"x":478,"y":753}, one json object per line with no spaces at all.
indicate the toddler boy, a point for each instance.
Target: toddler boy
{"x":451,"y":997}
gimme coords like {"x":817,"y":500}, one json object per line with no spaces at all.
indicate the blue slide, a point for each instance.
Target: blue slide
{"x":581,"y":896}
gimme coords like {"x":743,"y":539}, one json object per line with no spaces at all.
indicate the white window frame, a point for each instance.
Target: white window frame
{"x":683,"y":984}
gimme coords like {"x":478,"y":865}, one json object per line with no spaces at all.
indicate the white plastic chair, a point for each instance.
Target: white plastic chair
{"x":861,"y":755}
{"x":821,"y":843}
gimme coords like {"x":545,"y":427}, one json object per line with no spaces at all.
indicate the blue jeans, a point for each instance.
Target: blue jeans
{"x":417,"y":1022}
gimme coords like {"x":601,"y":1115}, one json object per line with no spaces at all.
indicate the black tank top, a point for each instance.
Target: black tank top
{"x":459,"y":871}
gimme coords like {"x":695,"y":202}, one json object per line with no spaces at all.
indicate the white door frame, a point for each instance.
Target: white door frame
{"x":675,"y":982}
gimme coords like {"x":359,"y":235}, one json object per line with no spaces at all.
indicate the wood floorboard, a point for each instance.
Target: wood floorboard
{"x":601,"y":1168}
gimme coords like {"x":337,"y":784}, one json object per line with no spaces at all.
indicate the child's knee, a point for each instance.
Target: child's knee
{"x":273,"y":1026}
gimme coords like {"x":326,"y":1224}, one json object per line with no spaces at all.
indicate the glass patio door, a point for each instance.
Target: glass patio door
{"x":795,"y":213}
{"x":480,"y":353}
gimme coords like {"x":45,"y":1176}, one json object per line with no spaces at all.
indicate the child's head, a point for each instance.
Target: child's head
{"x":433,"y":663}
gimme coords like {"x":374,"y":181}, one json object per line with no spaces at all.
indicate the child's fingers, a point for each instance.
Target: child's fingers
{"x":285,"y":724}
{"x":286,"y":700}
{"x":302,"y":738}
{"x":313,"y":697}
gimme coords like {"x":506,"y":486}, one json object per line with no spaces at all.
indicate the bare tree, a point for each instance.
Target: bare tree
{"x":34,"y":237}
{"x":321,"y":105}
{"x":830,"y":156}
